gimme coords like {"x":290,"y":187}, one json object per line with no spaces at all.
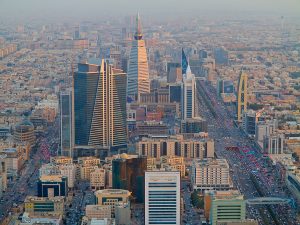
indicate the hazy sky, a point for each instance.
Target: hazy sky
{"x":87,"y":9}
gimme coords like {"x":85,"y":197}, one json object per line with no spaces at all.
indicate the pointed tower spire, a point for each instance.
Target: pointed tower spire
{"x":184,"y":62}
{"x":138,"y":33}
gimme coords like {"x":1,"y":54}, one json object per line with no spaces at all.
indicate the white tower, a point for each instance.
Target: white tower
{"x":138,"y":72}
{"x":162,"y":197}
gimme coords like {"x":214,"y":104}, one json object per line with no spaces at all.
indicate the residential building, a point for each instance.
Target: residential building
{"x":86,"y":165}
{"x":97,"y":179}
{"x":24,"y":132}
{"x":210,"y":174}
{"x":61,"y":160}
{"x":176,"y":146}
{"x":175,"y":163}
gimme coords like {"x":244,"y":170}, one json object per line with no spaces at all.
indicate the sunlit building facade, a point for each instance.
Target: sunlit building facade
{"x":138,"y":72}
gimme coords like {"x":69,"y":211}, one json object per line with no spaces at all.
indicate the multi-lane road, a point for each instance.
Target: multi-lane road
{"x":25,"y":183}
{"x":245,"y":160}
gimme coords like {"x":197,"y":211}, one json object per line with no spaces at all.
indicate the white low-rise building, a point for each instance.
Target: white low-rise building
{"x":210,"y":174}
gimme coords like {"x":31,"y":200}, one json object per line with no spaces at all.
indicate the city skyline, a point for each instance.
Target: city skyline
{"x":165,"y":9}
{"x":149,"y":112}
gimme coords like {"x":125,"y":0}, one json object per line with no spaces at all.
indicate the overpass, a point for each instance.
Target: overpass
{"x":269,"y":201}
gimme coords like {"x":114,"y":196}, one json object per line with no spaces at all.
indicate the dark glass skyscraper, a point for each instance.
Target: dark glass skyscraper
{"x":100,"y":106}
{"x":66,"y":139}
{"x":129,"y":174}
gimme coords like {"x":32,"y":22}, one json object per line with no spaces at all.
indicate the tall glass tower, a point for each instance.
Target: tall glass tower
{"x":100,"y":106}
{"x":66,"y":135}
{"x":138,"y":72}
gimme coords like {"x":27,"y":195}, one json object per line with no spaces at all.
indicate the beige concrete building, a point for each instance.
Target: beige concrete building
{"x":210,"y":174}
{"x":176,"y":146}
{"x":67,"y":170}
{"x":39,"y":205}
{"x":111,"y":197}
{"x":97,"y":179}
{"x":241,"y":222}
{"x":61,"y":160}
{"x":88,"y":161}
{"x":175,"y":163}
{"x":98,"y":211}
{"x":86,"y":165}
{"x":24,"y":132}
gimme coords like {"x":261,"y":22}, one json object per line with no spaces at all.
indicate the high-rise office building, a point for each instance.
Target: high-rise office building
{"x":225,"y":87}
{"x":129,"y":174}
{"x":100,"y":106}
{"x":221,"y":56}
{"x":175,"y":93}
{"x":174,"y":73}
{"x":250,"y":120}
{"x":162,"y":197}
{"x":188,"y":103}
{"x":66,"y":134}
{"x":138,"y":72}
{"x":274,"y":143}
{"x":242,"y":95}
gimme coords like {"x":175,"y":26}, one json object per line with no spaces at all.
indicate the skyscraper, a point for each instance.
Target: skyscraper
{"x":188,"y":90}
{"x":129,"y":174}
{"x":162,"y":197}
{"x":188,"y":103}
{"x":100,"y":106}
{"x":138,"y":72}
{"x":66,"y":134}
{"x":174,"y":72}
{"x":242,"y":95}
